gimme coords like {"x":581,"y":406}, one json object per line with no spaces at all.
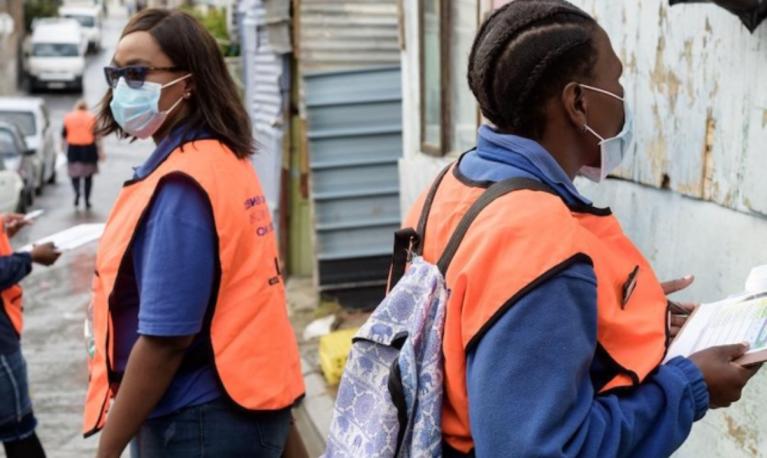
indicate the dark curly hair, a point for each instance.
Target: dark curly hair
{"x":524,"y":54}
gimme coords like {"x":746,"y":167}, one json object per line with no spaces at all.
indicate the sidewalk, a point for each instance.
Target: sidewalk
{"x":314,"y":414}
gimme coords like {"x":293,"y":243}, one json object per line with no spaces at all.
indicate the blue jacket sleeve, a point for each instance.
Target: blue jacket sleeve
{"x":531,"y":394}
{"x":14,"y":268}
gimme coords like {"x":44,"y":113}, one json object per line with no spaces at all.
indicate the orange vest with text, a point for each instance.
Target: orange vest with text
{"x":254,"y":347}
{"x":80,"y":125}
{"x":514,"y":245}
{"x":12,"y":302}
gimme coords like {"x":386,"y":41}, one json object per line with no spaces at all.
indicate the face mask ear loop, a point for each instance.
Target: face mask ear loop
{"x":181,"y":99}
{"x":171,"y":83}
{"x":594,"y":133}
{"x":173,"y":107}
{"x":601,"y":91}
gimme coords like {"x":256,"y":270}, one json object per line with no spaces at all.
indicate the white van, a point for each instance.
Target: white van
{"x":55,"y":54}
{"x":89,"y":17}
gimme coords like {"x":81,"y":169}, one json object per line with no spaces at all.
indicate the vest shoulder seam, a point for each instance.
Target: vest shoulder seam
{"x":578,"y":257}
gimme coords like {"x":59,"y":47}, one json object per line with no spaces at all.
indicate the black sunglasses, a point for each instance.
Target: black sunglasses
{"x":134,"y":75}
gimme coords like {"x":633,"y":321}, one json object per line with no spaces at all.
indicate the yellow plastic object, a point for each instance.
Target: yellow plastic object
{"x":334,"y":349}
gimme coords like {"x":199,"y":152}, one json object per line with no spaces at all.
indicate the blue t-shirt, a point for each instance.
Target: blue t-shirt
{"x":167,"y":287}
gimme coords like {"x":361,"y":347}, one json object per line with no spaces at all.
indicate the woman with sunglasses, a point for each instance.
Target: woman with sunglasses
{"x":190,"y":350}
{"x":556,"y":326}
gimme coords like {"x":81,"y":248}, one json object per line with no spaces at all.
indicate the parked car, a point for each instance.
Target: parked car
{"x":89,"y":17}
{"x":30,"y":114}
{"x":11,"y":187}
{"x":54,"y":56}
{"x":17,"y":157}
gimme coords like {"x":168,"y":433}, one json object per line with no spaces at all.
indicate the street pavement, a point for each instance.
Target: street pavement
{"x":56,"y":298}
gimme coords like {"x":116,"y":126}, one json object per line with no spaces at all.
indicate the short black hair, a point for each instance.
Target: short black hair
{"x":525,"y":53}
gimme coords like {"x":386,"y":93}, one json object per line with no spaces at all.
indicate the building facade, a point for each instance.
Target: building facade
{"x":11,"y":39}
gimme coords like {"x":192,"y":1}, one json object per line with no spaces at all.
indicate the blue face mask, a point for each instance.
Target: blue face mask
{"x":614,"y":149}
{"x":137,"y":111}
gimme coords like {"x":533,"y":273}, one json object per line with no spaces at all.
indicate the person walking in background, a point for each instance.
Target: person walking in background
{"x":83,"y":150}
{"x":192,"y":352}
{"x":17,"y":421}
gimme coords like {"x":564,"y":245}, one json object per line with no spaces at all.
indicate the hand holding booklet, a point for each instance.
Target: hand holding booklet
{"x":731,"y":321}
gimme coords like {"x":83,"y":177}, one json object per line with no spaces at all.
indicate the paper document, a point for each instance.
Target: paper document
{"x":33,"y":215}
{"x":732,"y":321}
{"x":73,"y":237}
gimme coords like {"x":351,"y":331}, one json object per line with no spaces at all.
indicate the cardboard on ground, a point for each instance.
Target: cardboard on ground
{"x":72,"y":238}
{"x":731,"y":321}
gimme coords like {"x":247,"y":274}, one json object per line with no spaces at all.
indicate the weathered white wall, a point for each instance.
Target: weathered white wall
{"x":681,"y":235}
{"x":695,"y":77}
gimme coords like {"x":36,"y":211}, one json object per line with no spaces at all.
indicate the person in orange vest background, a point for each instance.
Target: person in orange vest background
{"x":17,"y":421}
{"x":556,"y":327}
{"x":83,"y":150}
{"x":191,"y":352}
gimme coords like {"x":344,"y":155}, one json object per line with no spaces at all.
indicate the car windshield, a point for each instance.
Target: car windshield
{"x":54,"y":50}
{"x":85,"y":21}
{"x":7,"y":144}
{"x":24,"y":119}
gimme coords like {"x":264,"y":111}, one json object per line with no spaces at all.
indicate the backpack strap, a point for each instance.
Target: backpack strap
{"x":495,"y":191}
{"x":426,"y":210}
{"x":409,"y":240}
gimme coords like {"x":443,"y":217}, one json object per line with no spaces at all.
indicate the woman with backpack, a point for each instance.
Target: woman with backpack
{"x":556,"y":326}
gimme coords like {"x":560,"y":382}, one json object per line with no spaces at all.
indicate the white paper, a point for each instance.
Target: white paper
{"x":72,"y":238}
{"x":732,"y":321}
{"x":33,"y":215}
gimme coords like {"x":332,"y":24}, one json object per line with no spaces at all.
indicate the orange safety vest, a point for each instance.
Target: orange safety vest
{"x":515,"y":244}
{"x":12,"y":301}
{"x":80,"y":126}
{"x":254,"y":347}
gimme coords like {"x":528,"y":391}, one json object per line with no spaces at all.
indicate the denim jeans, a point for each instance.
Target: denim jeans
{"x":16,"y":418}
{"x":215,"y":429}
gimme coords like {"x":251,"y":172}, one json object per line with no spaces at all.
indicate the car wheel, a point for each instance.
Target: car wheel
{"x":40,"y":183}
{"x":21,"y":207}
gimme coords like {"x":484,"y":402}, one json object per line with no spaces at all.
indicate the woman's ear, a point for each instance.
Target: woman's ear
{"x":576,"y":105}
{"x":188,"y":87}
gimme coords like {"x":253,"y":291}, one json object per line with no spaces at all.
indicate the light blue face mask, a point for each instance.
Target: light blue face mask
{"x":614,"y":149}
{"x":137,"y":111}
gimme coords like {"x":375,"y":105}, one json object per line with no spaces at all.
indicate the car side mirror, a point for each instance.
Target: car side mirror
{"x":29,"y":152}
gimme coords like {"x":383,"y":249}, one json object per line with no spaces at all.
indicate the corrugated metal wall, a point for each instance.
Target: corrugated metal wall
{"x":267,"y":87}
{"x":348,"y":34}
{"x":355,"y":141}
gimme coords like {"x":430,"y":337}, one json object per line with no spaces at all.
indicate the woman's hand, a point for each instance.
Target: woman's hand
{"x":678,"y":312}
{"x":724,"y":378}
{"x":13,"y":223}
{"x":45,"y":254}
